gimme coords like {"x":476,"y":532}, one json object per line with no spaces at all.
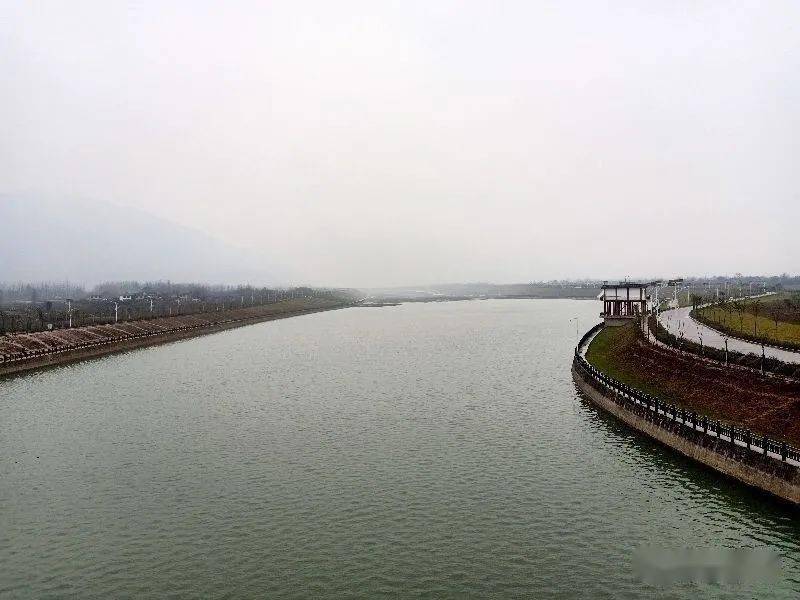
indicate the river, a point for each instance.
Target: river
{"x":423,"y":450}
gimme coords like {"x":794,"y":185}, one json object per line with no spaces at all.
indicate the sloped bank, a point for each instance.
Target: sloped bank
{"x":756,"y":461}
{"x":197,"y":326}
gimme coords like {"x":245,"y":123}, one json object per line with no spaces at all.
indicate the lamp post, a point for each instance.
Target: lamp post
{"x":576,"y":329}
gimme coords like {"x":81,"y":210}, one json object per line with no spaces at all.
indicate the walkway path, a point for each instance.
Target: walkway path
{"x":678,"y":319}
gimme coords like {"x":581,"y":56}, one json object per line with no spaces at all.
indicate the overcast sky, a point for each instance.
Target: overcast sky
{"x":381,"y":143}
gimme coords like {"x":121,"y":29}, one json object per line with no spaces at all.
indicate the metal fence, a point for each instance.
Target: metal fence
{"x":662,"y":413}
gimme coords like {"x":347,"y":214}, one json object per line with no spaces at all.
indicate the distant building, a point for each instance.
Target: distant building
{"x":623,"y":302}
{"x":125,"y":298}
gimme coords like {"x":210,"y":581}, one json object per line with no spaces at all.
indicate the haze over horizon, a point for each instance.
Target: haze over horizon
{"x":376,"y":145}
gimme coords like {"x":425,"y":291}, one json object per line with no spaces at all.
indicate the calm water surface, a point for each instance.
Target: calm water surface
{"x":433,"y":450}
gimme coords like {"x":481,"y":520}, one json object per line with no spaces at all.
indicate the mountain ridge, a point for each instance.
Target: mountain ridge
{"x":89,"y":241}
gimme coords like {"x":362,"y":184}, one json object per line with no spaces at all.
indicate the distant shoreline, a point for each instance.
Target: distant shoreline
{"x":396,"y":301}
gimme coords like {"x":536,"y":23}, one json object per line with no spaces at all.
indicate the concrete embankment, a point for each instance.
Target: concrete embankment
{"x":64,"y":355}
{"x":759,"y":471}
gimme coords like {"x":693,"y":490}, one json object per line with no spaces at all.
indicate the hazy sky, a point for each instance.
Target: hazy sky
{"x":380,"y":143}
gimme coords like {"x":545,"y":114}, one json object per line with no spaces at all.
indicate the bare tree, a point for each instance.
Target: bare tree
{"x":755,"y":309}
{"x":739,"y":307}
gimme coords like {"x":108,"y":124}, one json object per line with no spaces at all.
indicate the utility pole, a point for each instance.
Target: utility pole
{"x":116,"y":312}
{"x":656,"y":301}
{"x":69,"y":311}
{"x":659,"y":285}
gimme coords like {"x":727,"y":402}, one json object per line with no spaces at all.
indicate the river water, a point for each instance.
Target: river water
{"x":425,"y":450}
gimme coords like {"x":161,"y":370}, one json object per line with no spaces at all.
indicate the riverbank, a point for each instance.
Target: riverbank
{"x":767,"y":405}
{"x":20,"y":353}
{"x":707,"y":443}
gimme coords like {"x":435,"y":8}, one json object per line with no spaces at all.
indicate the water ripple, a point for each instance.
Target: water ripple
{"x":435,"y":450}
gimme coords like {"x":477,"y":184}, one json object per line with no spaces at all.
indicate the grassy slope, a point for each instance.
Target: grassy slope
{"x":786,"y":304}
{"x":746,"y":324}
{"x":606,"y":353}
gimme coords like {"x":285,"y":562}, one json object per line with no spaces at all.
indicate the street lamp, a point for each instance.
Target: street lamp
{"x":576,"y":329}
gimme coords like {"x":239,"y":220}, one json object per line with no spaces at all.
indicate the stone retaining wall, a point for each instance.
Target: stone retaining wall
{"x":779,"y":479}
{"x":64,"y":357}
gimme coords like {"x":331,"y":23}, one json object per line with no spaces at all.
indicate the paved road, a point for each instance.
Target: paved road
{"x":678,"y":319}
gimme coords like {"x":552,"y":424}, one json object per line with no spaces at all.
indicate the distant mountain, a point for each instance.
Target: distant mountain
{"x":92,"y":241}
